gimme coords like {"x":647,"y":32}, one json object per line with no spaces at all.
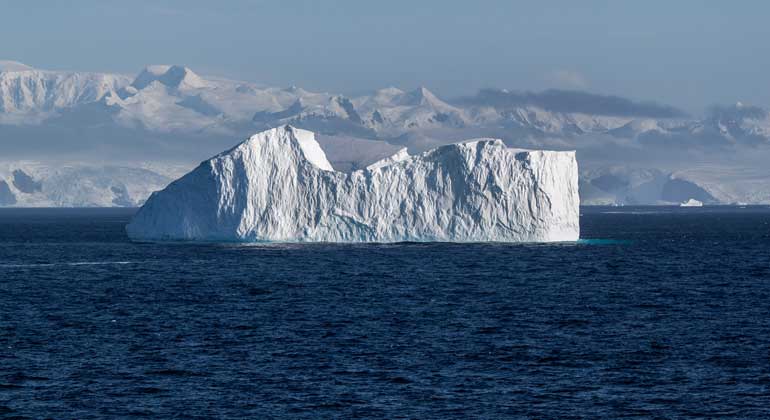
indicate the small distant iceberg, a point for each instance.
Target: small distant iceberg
{"x":691,"y":203}
{"x":278,"y":186}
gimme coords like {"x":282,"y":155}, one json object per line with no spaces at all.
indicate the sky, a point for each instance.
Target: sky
{"x":686,"y":53}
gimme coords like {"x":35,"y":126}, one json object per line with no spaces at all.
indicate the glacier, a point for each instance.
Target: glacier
{"x":81,"y":184}
{"x":278,"y":186}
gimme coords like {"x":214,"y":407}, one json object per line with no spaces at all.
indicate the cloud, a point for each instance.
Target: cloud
{"x":572,"y":101}
{"x":567,"y":79}
{"x":736,"y":112}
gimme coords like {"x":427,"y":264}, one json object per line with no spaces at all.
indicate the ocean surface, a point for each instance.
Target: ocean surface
{"x":659,"y":312}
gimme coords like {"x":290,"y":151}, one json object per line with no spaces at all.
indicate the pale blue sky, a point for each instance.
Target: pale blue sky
{"x":686,"y":53}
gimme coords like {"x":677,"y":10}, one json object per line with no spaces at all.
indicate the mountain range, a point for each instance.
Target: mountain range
{"x":91,"y":125}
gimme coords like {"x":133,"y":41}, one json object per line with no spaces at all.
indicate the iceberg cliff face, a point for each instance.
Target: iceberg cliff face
{"x":279,"y":186}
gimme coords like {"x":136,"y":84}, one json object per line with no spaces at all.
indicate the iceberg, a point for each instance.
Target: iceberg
{"x":691,"y":203}
{"x":278,"y":186}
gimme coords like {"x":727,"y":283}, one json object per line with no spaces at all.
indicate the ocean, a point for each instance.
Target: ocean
{"x":658,"y":312}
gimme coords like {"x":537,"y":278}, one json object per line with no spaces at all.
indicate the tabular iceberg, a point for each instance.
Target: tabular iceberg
{"x":278,"y":186}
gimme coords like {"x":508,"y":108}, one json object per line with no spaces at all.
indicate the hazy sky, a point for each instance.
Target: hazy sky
{"x":686,"y":53}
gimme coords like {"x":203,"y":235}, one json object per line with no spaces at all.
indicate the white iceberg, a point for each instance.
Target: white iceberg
{"x":691,"y":203}
{"x":278,"y":186}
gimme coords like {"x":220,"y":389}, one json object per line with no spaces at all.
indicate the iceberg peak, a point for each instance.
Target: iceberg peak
{"x":299,"y":139}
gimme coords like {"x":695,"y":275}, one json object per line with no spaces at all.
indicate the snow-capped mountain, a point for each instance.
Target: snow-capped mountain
{"x":392,"y":112}
{"x":322,"y":112}
{"x":170,"y":98}
{"x":560,"y":113}
{"x":167,"y":98}
{"x":175,"y":99}
{"x":740,"y":123}
{"x":387,"y":113}
{"x":723,"y":126}
{"x":618,"y":185}
{"x":35,"y":184}
{"x":30,"y":95}
{"x":566,"y":114}
{"x":171,"y":113}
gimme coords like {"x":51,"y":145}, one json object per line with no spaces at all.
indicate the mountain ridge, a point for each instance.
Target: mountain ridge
{"x":161,"y":97}
{"x":169,"y":112}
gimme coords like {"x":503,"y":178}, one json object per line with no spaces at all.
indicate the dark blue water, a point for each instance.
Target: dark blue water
{"x":668,"y":315}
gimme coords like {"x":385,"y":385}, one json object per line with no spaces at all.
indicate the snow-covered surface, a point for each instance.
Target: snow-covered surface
{"x":744,"y":182}
{"x":38,"y":184}
{"x":619,"y":185}
{"x":692,"y":203}
{"x":277,"y":187}
{"x":310,"y":148}
{"x":173,"y":98}
{"x":168,"y":112}
{"x":392,"y":111}
{"x":30,"y":95}
{"x":8,"y":66}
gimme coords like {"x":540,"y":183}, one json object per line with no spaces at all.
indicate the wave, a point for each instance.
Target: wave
{"x":70,"y":264}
